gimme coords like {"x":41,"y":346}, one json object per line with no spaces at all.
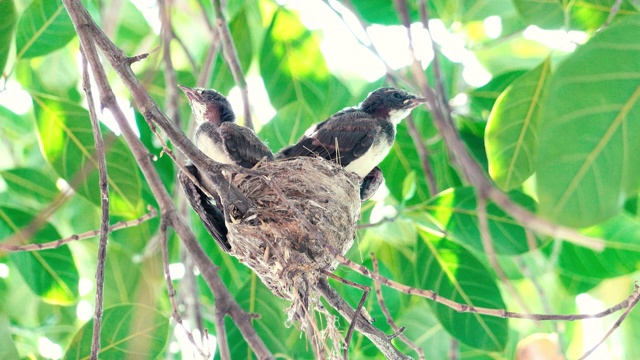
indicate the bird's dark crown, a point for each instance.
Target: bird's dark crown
{"x":383,"y":100}
{"x":215,"y":103}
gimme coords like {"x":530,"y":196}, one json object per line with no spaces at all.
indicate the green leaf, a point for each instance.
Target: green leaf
{"x":293,"y":69}
{"x":455,"y":212}
{"x":7,"y":21}
{"x":454,"y":273}
{"x":31,"y":183}
{"x":484,"y":97}
{"x":67,"y":143}
{"x":50,"y":274}
{"x":621,"y":255}
{"x":43,"y":27}
{"x":425,"y":331}
{"x":287,"y":126}
{"x":409,"y":186}
{"x":589,"y":142}
{"x":7,"y":345}
{"x":511,"y":134}
{"x":583,"y":15}
{"x":128,"y":331}
{"x":278,"y":338}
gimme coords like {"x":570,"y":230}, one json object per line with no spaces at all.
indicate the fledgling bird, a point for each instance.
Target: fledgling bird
{"x":360,"y":137}
{"x":221,"y":139}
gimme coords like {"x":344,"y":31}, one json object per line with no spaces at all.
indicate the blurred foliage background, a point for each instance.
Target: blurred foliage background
{"x":544,"y":95}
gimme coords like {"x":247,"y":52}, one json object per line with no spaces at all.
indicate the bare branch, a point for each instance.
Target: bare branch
{"x":465,"y":308}
{"x":230,"y":53}
{"x":86,"y":235}
{"x":103,"y":183}
{"x":399,"y":331}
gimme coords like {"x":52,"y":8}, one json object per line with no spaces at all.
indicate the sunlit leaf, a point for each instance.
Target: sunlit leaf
{"x":454,"y":273}
{"x":128,"y":331}
{"x":43,"y":27}
{"x":67,"y":143}
{"x":425,"y":331}
{"x":293,"y":69}
{"x":483,"y":98}
{"x":583,"y":15}
{"x":50,"y":274}
{"x":7,"y":21}
{"x":455,"y":211}
{"x":589,"y":154}
{"x":7,"y":345}
{"x":511,"y":134}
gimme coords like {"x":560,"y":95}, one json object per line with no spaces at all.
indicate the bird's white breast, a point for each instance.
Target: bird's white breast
{"x":364,"y":164}
{"x":212,"y":149}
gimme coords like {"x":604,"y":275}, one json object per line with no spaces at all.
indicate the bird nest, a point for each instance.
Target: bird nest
{"x":306,"y":209}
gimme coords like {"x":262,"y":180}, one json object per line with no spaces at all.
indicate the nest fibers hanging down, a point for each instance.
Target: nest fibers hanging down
{"x":304,"y":207}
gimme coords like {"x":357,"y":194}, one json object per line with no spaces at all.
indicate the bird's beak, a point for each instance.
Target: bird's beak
{"x":192,"y":94}
{"x":411,"y":103}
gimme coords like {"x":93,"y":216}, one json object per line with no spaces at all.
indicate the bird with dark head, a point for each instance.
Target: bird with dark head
{"x":360,"y":137}
{"x":224,"y":141}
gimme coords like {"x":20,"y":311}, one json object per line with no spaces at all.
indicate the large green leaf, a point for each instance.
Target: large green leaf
{"x":287,"y":126}
{"x":589,"y":144}
{"x":50,"y":274}
{"x":484,"y":97}
{"x":293,"y":69}
{"x":256,"y":298}
{"x":454,"y":273}
{"x":66,"y":140}
{"x":455,"y":212}
{"x":7,"y":345}
{"x":621,"y":255}
{"x":511,"y":134}
{"x":425,"y":331}
{"x":131,"y":331}
{"x":7,"y":21}
{"x":43,"y":27}
{"x":583,"y":15}
{"x":31,"y":183}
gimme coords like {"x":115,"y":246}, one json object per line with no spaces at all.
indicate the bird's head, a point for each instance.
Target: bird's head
{"x":390,"y":103}
{"x":208,"y":105}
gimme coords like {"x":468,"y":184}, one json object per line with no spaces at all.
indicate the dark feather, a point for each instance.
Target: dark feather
{"x":242,"y":145}
{"x":212,"y":217}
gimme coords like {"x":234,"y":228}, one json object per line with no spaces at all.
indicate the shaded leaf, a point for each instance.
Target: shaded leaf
{"x":483,"y":98}
{"x":621,"y":255}
{"x":50,"y":274}
{"x":589,"y":144}
{"x":454,"y":273}
{"x":67,"y":143}
{"x":43,"y":27}
{"x":455,"y":212}
{"x":7,"y":346}
{"x":131,"y":331}
{"x":31,"y":183}
{"x":7,"y":21}
{"x":511,"y":134}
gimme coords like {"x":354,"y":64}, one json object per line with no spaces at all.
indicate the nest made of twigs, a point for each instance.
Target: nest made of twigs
{"x":305,"y":210}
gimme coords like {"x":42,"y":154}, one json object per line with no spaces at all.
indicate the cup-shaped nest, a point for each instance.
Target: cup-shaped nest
{"x":306,"y":209}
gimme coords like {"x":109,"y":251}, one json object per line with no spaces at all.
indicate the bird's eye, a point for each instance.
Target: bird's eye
{"x":397,"y":95}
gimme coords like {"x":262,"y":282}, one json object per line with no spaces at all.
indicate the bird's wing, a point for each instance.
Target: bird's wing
{"x":371,"y":183}
{"x":212,"y":217}
{"x":243,"y":145}
{"x":343,"y":137}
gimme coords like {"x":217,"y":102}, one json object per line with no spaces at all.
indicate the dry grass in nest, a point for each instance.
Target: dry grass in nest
{"x":301,"y":206}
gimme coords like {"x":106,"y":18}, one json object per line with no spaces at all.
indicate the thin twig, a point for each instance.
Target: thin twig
{"x":171,"y":82}
{"x":399,"y":331}
{"x":230,"y":53}
{"x":171,"y":290}
{"x":85,"y":235}
{"x":103,"y":184}
{"x":614,"y":11}
{"x":378,"y":223}
{"x":614,"y":327}
{"x":466,"y":308}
